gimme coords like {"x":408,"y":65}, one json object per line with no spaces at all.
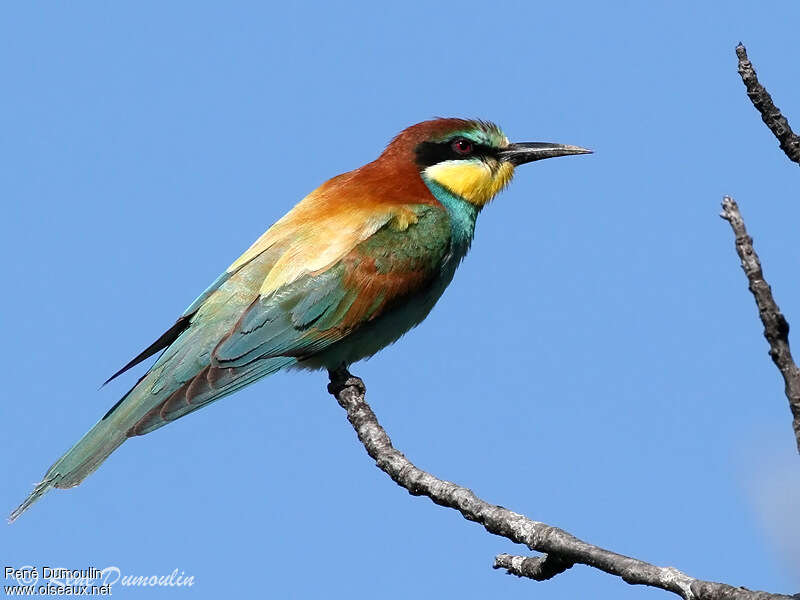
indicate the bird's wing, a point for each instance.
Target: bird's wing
{"x":235,"y":338}
{"x":321,"y":308}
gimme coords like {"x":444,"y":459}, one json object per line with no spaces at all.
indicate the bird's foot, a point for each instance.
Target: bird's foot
{"x":341,"y":378}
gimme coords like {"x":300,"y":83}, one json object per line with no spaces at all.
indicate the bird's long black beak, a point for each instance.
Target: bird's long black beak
{"x":525,"y":152}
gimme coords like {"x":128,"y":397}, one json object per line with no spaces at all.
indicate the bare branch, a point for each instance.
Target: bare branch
{"x":770,"y":114}
{"x":350,"y":392}
{"x":776,"y":328}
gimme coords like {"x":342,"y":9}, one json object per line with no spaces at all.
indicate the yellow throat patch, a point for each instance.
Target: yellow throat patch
{"x":475,"y":181}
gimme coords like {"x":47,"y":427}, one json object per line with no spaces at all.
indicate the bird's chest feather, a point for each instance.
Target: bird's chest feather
{"x":436,"y":243}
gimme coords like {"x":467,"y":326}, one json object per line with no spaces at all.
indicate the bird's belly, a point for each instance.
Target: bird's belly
{"x":375,"y":335}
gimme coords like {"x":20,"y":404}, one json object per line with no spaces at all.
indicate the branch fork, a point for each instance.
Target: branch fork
{"x":561,"y":550}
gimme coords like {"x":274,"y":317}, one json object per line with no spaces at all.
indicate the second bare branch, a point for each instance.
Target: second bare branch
{"x":770,"y":114}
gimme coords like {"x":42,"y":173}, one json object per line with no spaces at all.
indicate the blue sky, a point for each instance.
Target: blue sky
{"x":597,"y":363}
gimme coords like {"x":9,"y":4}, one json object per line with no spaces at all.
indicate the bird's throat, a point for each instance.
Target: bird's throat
{"x":462,"y":216}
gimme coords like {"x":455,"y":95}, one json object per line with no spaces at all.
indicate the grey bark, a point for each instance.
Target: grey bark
{"x":562,"y":549}
{"x":770,"y":114}
{"x":776,"y":328}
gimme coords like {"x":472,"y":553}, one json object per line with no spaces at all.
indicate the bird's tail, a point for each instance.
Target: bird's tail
{"x":139,"y":412}
{"x":80,"y":460}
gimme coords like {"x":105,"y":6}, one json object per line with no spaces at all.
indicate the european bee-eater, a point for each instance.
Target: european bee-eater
{"x":346,"y":272}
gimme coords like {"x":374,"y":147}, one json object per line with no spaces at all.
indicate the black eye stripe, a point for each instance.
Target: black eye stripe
{"x":431,"y":153}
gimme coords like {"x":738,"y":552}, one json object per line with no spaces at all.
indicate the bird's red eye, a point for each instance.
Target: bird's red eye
{"x":461,"y":146}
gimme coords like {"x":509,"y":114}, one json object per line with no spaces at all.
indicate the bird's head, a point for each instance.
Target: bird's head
{"x":471,"y":158}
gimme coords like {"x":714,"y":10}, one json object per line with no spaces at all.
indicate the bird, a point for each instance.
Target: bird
{"x":350,"y":269}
